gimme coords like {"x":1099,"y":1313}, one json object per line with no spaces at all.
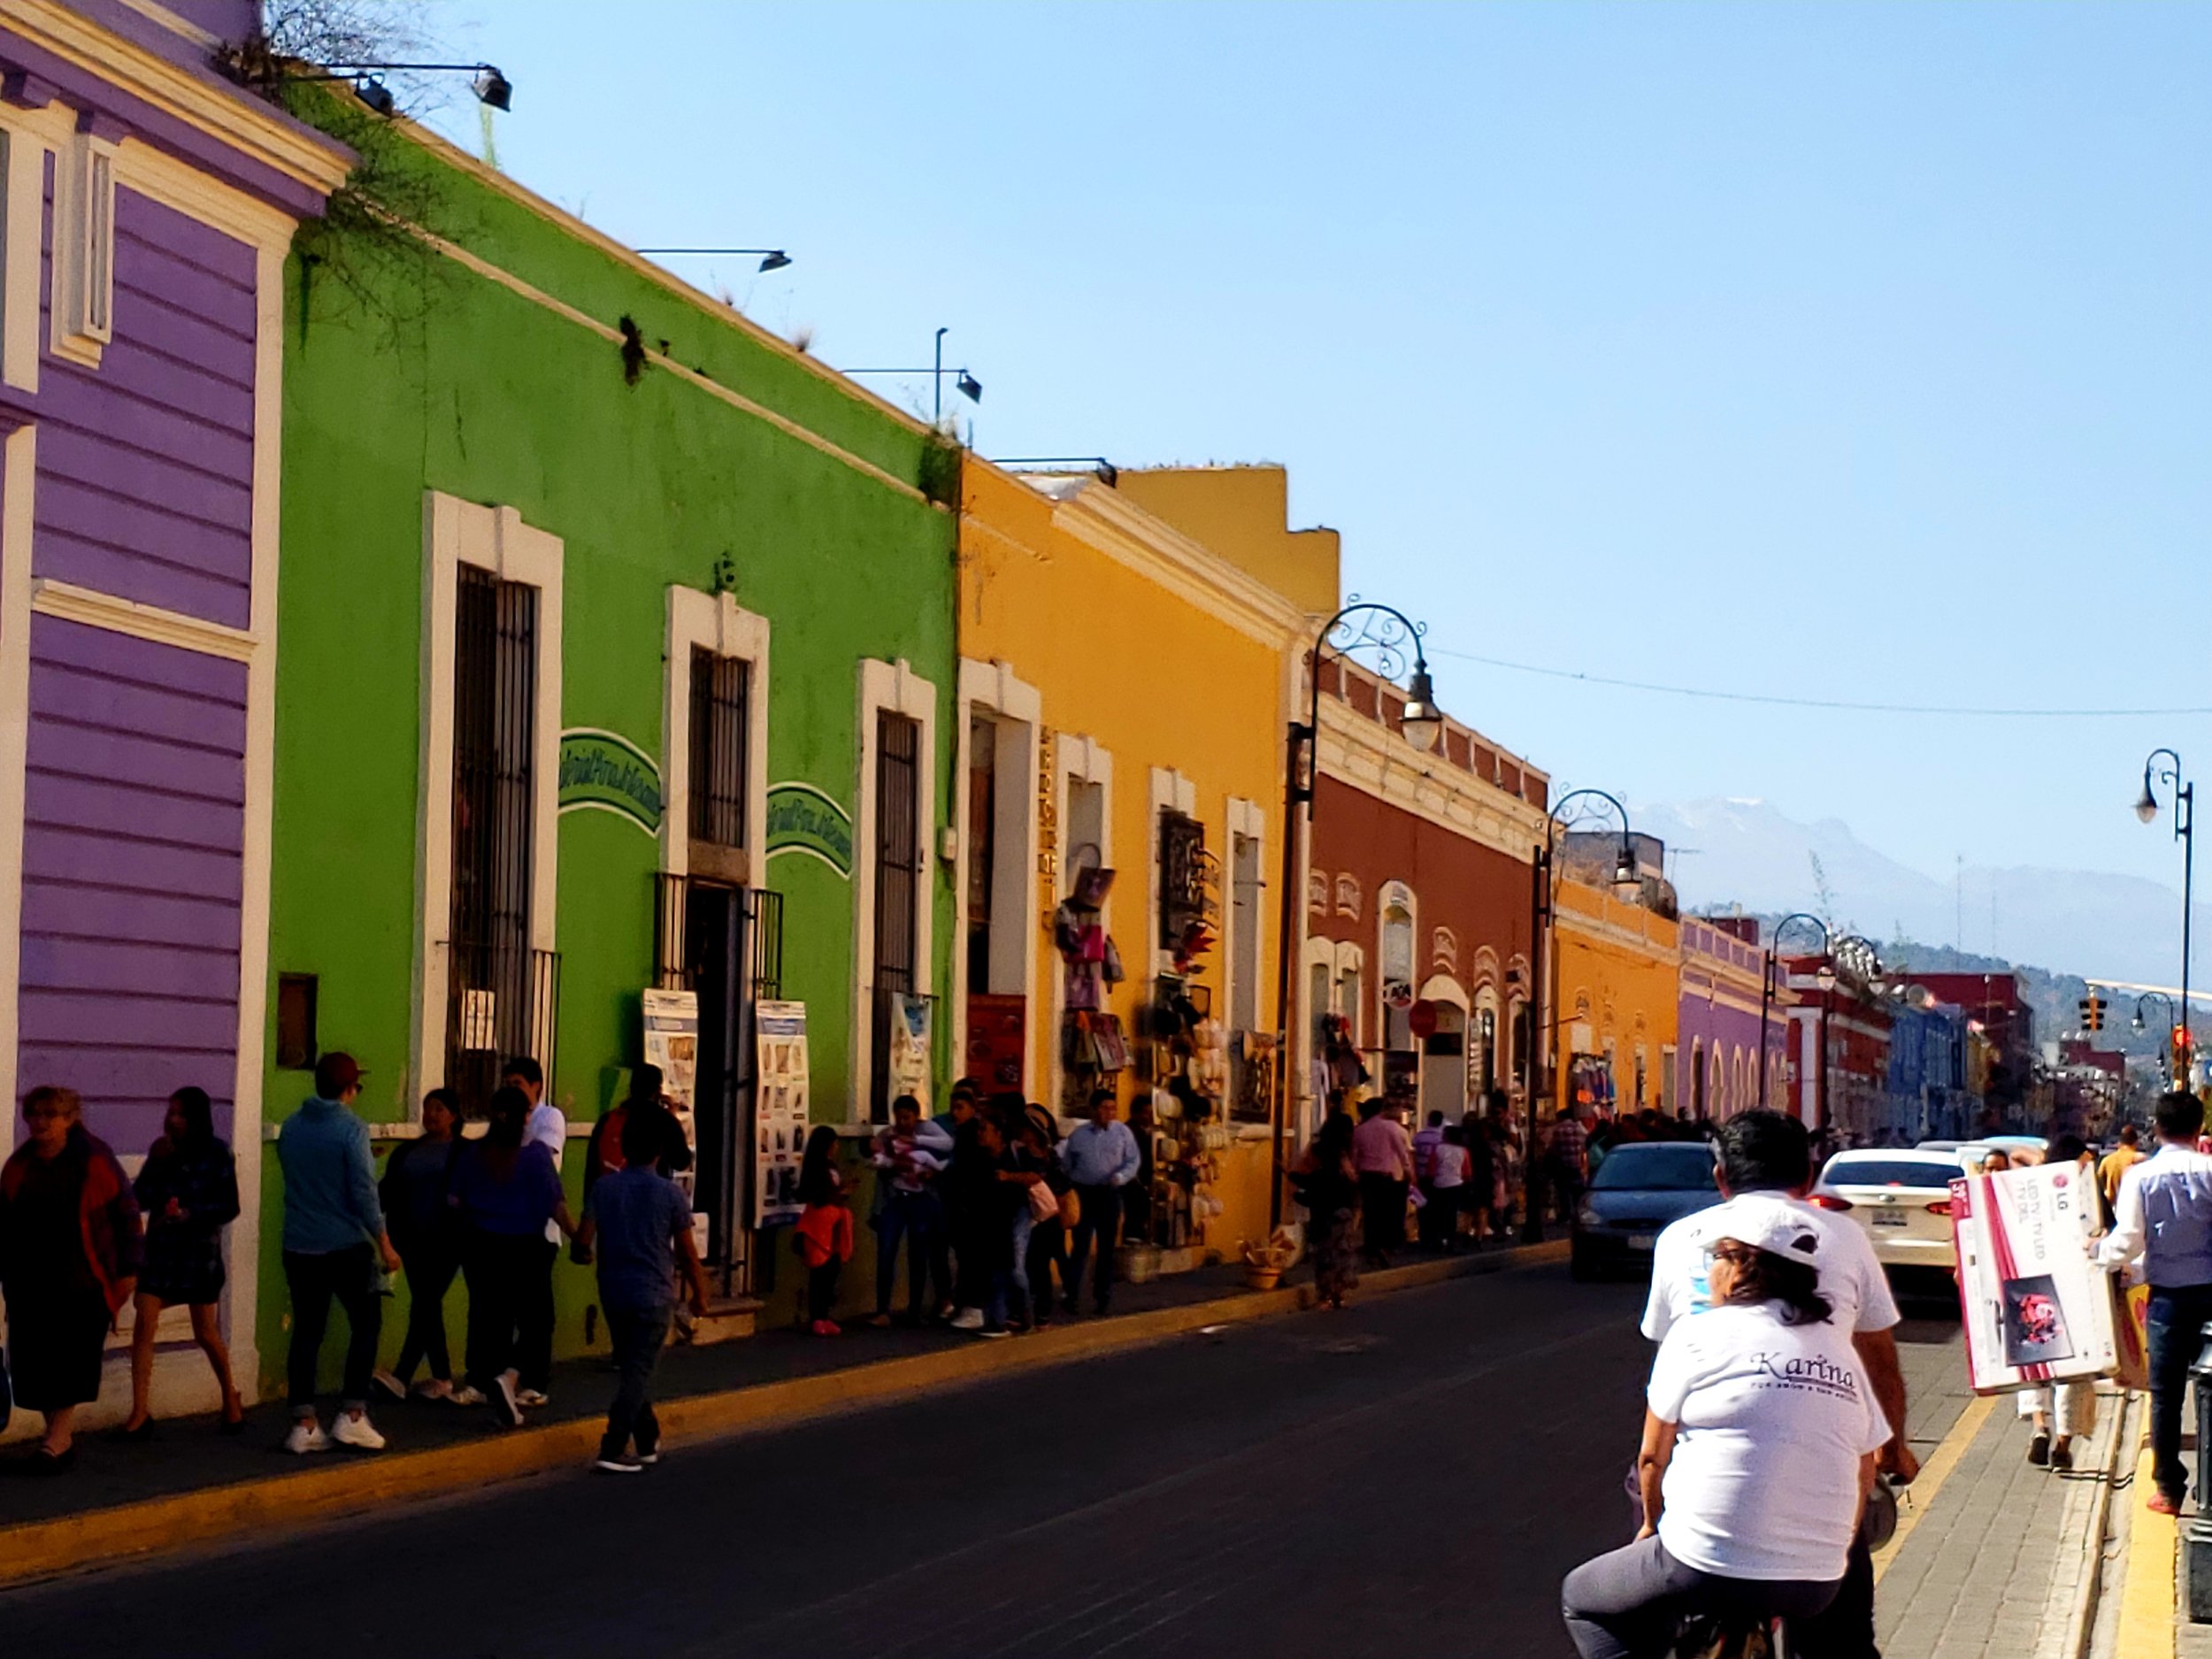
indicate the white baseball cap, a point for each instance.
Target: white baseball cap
{"x":1767,"y":1224}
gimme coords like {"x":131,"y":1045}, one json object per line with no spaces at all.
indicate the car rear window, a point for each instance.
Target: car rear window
{"x":1661,"y":1169}
{"x":1891,"y":1172}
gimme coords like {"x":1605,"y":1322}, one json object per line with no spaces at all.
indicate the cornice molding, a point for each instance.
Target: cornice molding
{"x":1366,"y":757}
{"x":232,"y":117}
{"x":72,"y":604}
{"x":1102,"y":519}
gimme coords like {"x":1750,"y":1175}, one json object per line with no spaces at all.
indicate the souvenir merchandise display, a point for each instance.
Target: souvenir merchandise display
{"x":1337,"y":1065}
{"x":2035,"y":1308}
{"x":1092,"y":1046}
{"x":1254,"y":1071}
{"x":1181,"y":1042}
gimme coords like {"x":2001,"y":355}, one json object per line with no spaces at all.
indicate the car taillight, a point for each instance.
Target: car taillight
{"x":1829,"y":1201}
{"x":1943,"y":1208}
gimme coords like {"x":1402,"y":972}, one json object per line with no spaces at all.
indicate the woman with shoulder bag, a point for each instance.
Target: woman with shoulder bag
{"x":1052,"y":1202}
{"x":1328,"y":1186}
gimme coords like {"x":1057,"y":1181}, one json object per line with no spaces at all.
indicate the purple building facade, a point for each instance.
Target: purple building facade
{"x":1717,"y":1035}
{"x":146,"y":205}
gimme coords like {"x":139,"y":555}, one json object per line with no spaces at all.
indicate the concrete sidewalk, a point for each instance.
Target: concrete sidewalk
{"x":191,"y":1485}
{"x":2001,"y":1560}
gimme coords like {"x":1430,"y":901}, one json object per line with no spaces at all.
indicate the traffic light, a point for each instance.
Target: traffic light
{"x":2092,"y":1012}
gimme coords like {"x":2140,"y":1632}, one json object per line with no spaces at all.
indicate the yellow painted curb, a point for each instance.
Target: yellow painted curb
{"x":2147,"y":1592}
{"x":353,"y":1485}
{"x":1933,"y":1473}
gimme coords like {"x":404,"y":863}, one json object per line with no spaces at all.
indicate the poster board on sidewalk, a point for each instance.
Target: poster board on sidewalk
{"x":779,"y":1112}
{"x":2036,"y":1309}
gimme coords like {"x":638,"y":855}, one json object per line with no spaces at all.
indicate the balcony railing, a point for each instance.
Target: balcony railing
{"x":501,"y":1001}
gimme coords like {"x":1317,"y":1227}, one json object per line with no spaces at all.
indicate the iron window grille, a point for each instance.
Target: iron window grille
{"x":721,"y":728}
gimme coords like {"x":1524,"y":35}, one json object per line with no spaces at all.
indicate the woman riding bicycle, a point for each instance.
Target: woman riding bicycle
{"x":1760,"y":1435}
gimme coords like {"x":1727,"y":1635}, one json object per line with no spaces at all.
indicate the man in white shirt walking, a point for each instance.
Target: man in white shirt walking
{"x":2164,"y":1217}
{"x":1769,"y":1154}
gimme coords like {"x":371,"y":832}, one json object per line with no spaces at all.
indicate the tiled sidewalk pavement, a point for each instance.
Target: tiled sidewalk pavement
{"x":1995,"y":1565}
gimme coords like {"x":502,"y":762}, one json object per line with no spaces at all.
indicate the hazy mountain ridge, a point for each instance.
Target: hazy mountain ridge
{"x":1723,"y":853}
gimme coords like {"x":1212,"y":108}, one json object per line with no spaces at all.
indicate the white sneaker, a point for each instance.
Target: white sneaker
{"x":968,"y":1319}
{"x":354,"y":1429}
{"x":389,"y":1384}
{"x":616,"y":1466}
{"x":531,"y":1398}
{"x":508,"y":1402}
{"x":435,"y":1388}
{"x":464,"y":1396}
{"x":306,"y":1436}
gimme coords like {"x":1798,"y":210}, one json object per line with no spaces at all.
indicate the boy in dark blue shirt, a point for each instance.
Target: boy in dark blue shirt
{"x":639,"y":1222}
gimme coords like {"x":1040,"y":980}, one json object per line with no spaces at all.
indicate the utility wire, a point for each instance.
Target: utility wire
{"x":1806,"y":703}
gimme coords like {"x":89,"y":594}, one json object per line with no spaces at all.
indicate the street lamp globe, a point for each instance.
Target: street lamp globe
{"x":1627,"y":879}
{"x":2146,"y":803}
{"x":1825,"y":977}
{"x":1423,"y":722}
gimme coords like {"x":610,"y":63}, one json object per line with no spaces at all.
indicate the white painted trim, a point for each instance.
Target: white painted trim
{"x":80,"y":320}
{"x":249,"y":1109}
{"x":1245,"y":818}
{"x":1077,"y":758}
{"x":719,"y":624}
{"x":895,"y":689}
{"x":94,"y":609}
{"x":23,"y":212}
{"x":18,"y":484}
{"x":268,"y":138}
{"x":1442,"y":987}
{"x":456,"y":532}
{"x":1018,"y":710}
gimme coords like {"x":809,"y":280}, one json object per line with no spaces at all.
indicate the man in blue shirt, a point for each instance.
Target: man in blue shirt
{"x":1101,"y":1158}
{"x":334,"y":1238}
{"x":2165,"y":1218}
{"x":639,"y":1222}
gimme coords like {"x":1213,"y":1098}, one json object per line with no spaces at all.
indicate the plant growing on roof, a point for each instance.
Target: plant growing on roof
{"x":368,"y":240}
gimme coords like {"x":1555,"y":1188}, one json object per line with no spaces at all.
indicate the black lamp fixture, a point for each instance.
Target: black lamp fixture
{"x":1422,"y":722}
{"x":771,"y":258}
{"x":964,"y":383}
{"x":492,"y":89}
{"x":2164,"y":765}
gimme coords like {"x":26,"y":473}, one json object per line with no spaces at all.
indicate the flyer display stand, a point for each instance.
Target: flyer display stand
{"x":780,"y":1116}
{"x":2035,"y":1308}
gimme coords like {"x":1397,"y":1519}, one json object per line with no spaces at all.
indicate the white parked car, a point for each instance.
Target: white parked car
{"x":1902,"y":1199}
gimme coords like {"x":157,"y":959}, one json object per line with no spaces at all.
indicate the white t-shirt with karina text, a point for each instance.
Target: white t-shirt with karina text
{"x":1773,"y":1420}
{"x":1851,"y":1276}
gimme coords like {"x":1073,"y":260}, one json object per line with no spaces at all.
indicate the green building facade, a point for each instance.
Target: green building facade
{"x":616,"y":652}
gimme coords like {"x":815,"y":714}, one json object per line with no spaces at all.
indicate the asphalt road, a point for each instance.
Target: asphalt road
{"x":1410,"y":1477}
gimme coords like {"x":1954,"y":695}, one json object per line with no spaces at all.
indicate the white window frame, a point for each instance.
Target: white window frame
{"x":889,"y":688}
{"x":1076,"y":758}
{"x":717,"y":623}
{"x":1394,"y":896}
{"x":1245,"y":821}
{"x":494,"y":539}
{"x":84,"y":248}
{"x":1016,"y":710}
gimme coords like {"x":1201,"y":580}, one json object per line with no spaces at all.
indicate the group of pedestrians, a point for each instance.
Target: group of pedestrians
{"x":79,"y":1241}
{"x":992,"y":1207}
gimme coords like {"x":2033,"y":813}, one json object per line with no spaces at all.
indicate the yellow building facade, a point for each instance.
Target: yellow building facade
{"x":1616,"y":1001}
{"x":1123,"y":697}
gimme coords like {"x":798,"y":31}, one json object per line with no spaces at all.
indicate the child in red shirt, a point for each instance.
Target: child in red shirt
{"x":824,"y":1237}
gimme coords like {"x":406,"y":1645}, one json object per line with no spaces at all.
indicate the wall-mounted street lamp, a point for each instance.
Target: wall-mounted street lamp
{"x":771,"y":258}
{"x":964,"y":382}
{"x":491,"y":87}
{"x":2185,"y":832}
{"x":1627,"y":880}
{"x":1769,"y":982}
{"x":1384,"y":633}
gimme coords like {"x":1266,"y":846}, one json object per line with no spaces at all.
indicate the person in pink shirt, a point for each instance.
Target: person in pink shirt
{"x":1382,"y":1154}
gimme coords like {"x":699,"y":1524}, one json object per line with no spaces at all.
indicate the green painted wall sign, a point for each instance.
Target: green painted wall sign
{"x":804,"y":819}
{"x":604,"y":772}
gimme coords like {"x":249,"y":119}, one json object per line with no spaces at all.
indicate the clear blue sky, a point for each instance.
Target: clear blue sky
{"x":1839,"y":350}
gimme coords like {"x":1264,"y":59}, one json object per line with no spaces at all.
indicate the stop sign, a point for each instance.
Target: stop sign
{"x":1422,"y":1019}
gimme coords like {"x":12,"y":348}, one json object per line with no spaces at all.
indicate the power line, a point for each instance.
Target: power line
{"x":1807,"y":702}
